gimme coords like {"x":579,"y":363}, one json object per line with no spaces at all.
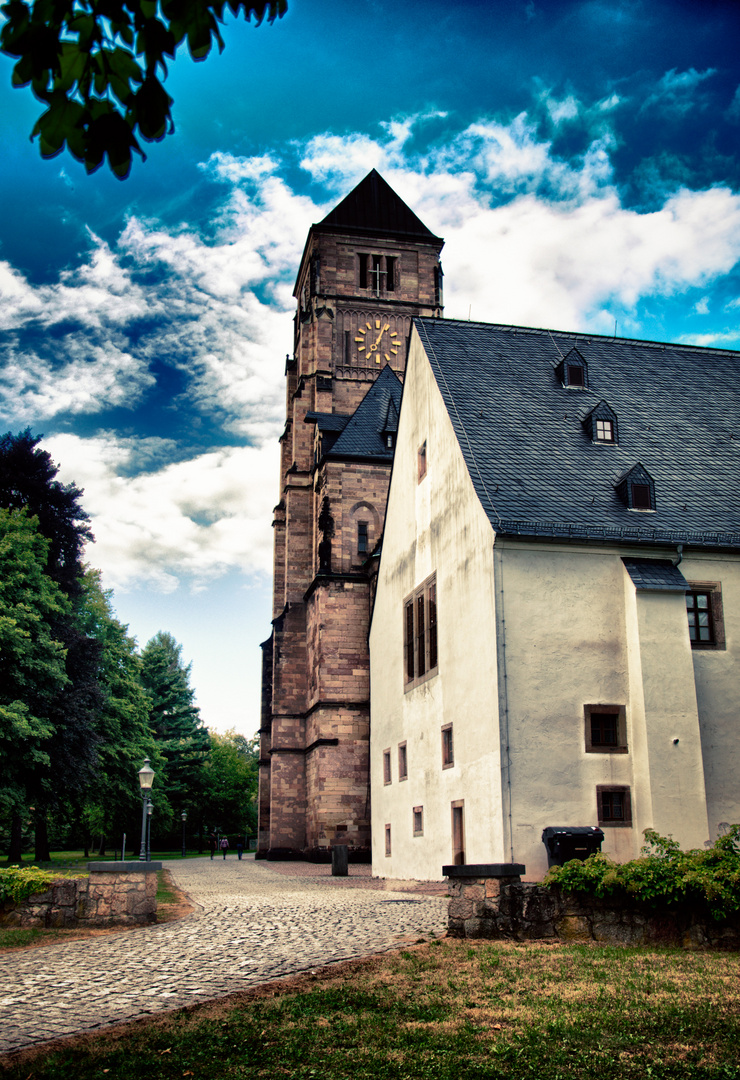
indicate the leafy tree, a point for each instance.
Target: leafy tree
{"x":121,"y":722}
{"x":32,"y":662}
{"x":175,"y":722}
{"x":80,"y":58}
{"x":28,"y":480}
{"x":230,"y":796}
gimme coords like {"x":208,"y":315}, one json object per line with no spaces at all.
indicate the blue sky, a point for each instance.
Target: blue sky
{"x":579,"y":158}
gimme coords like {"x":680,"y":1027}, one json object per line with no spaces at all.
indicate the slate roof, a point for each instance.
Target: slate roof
{"x":362,"y":438}
{"x":373,"y":207}
{"x":655,"y":575}
{"x":532,"y":461}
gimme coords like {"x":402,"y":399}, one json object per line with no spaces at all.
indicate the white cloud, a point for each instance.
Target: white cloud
{"x":531,"y":238}
{"x":701,"y":307}
{"x":193,"y":519}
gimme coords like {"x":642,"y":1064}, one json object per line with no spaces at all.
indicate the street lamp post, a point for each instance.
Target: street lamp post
{"x":146,"y":779}
{"x":184,"y":816}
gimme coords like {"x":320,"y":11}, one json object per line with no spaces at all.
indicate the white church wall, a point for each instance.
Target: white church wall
{"x":717,"y":678}
{"x":437,"y":526}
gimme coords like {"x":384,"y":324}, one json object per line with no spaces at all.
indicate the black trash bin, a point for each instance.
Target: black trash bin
{"x":565,"y":842}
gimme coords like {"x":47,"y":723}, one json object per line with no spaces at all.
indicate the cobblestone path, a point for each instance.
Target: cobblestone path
{"x":251,"y":924}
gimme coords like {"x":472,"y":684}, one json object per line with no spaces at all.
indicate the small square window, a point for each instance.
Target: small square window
{"x":387,"y":839}
{"x":422,"y":461}
{"x":448,"y":750}
{"x":705,"y":615}
{"x":614,"y":805}
{"x":403,"y":770}
{"x":418,"y":821}
{"x":575,"y":375}
{"x":641,"y":497}
{"x":604,"y":431}
{"x":386,"y":766}
{"x":606,"y":729}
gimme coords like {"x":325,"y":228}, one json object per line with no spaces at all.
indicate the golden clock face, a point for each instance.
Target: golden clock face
{"x":375,"y":340}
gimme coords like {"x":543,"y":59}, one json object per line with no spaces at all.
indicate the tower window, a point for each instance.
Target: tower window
{"x":362,"y":539}
{"x":362,"y":259}
{"x":438,"y":291}
{"x":390,"y":273}
{"x":377,"y":273}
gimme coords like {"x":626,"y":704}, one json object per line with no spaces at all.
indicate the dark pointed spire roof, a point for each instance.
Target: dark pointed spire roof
{"x":373,"y":207}
{"x":363,"y":435}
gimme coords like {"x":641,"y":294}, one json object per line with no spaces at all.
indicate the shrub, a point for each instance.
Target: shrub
{"x":663,"y":875}
{"x":17,"y":883}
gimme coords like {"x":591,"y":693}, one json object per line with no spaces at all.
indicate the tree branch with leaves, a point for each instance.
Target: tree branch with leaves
{"x":99,"y":67}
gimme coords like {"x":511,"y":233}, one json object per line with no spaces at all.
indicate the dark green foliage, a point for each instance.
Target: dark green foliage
{"x":181,"y":740}
{"x":663,"y":876}
{"x":229,"y":802}
{"x":98,"y":67}
{"x":32,"y":656}
{"x":28,"y":480}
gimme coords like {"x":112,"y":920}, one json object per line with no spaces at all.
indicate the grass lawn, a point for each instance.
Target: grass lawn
{"x":448,"y":1010}
{"x":77,"y":859}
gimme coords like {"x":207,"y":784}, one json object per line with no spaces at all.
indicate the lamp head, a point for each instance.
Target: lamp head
{"x":146,"y":776}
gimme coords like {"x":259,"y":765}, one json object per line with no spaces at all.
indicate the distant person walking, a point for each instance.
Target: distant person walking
{"x":224,"y":845}
{"x":212,"y":844}
{"x":239,"y":849}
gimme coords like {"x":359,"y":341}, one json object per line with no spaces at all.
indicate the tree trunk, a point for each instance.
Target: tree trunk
{"x":42,"y":839}
{"x":15,"y":850}
{"x":87,"y":847}
{"x":101,"y":849}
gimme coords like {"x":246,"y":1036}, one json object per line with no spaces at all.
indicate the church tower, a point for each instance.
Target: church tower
{"x":367,"y":269}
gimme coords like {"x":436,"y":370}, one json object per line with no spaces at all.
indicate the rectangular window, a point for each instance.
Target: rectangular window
{"x":418,"y":821}
{"x":420,"y":633}
{"x":575,"y":375}
{"x":448,"y":749}
{"x":641,"y":497}
{"x":614,"y":805}
{"x":606,"y":729}
{"x":422,"y":461}
{"x":390,"y":273}
{"x":387,"y":839}
{"x":386,"y":766}
{"x":604,"y":431}
{"x":705,"y":615}
{"x":403,"y":768}
{"x":438,"y":295}
{"x":362,"y":538}
{"x":362,"y":259}
{"x":458,"y":833}
{"x":377,"y":274}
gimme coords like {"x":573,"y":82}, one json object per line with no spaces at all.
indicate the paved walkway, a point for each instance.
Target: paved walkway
{"x":252,"y":923}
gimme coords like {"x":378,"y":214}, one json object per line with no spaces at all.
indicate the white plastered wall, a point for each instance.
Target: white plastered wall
{"x":437,"y":525}
{"x":717,"y":679}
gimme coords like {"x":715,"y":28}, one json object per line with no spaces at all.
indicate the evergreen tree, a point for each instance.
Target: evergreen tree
{"x":175,"y":723}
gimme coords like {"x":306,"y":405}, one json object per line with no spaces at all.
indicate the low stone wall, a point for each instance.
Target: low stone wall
{"x":118,"y":893}
{"x":491,"y":901}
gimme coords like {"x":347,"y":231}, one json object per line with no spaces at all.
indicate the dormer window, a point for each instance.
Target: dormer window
{"x":601,"y":424}
{"x":573,"y":370}
{"x":636,"y":489}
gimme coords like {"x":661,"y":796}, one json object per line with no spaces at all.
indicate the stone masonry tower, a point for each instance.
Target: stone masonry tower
{"x":367,"y":269}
